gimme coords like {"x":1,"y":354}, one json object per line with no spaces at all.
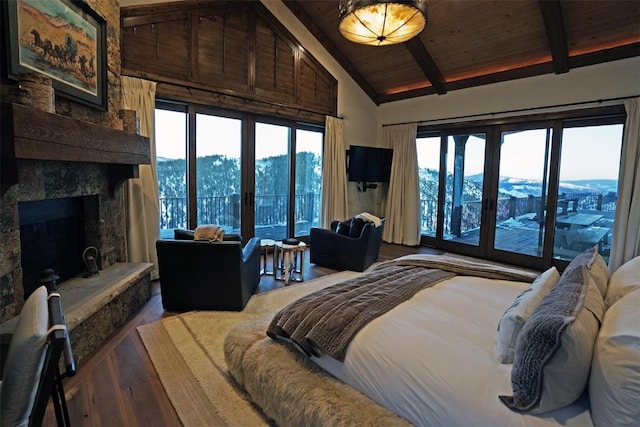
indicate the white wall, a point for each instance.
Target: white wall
{"x":596,"y":82}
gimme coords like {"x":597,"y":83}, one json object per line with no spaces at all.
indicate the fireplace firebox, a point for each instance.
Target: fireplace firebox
{"x":52,"y":235}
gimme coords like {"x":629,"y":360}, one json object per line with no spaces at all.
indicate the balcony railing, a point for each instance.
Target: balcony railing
{"x":512,"y":207}
{"x":225,"y":210}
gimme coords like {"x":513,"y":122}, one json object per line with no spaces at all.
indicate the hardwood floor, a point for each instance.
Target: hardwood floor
{"x":118,"y":385}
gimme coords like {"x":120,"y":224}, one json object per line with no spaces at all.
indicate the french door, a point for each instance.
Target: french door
{"x":287,"y":179}
{"x":534,"y":194}
{"x":249,"y":175}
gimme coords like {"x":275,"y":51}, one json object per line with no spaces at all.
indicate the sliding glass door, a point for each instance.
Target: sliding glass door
{"x":251,"y":177}
{"x":171,"y":167}
{"x":218,"y":168}
{"x":528,"y":193}
{"x":522,"y":183}
{"x":587,"y":194}
{"x":308,"y":181}
{"x":464,"y":188}
{"x":271,"y":203}
{"x":288,"y":178}
{"x":428,"y":150}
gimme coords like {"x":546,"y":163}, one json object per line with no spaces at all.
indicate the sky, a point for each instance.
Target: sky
{"x":587,"y":152}
{"x":222,"y":135}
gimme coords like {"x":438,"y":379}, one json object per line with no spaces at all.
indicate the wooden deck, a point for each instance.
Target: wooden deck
{"x":576,"y":232}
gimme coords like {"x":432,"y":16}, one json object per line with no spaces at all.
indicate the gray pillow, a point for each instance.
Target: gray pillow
{"x":554,"y":348}
{"x":522,"y":308}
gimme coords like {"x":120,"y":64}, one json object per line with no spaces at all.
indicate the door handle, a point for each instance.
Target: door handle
{"x":246,"y":198}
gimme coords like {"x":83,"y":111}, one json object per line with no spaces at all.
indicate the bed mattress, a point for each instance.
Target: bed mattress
{"x":432,"y":359}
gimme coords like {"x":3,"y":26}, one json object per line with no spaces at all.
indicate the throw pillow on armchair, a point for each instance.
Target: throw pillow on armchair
{"x":344,"y":227}
{"x":357,"y":224}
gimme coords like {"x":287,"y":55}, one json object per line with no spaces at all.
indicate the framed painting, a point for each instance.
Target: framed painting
{"x":62,"y":39}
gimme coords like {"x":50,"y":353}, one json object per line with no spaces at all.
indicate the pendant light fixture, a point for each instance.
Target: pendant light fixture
{"x":379,"y":23}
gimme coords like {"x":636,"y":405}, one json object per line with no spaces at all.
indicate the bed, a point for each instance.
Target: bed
{"x":468,"y":348}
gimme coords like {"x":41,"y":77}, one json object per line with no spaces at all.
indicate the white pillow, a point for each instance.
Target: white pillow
{"x":614,"y":383}
{"x":23,"y":367}
{"x":624,"y":280}
{"x":599,"y":271}
{"x":523,"y":306}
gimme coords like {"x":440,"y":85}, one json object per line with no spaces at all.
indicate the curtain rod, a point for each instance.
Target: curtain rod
{"x":520,"y":110}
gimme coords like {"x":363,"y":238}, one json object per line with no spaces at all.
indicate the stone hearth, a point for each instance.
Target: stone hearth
{"x":96,"y":307}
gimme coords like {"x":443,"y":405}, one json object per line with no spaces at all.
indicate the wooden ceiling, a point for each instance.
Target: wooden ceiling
{"x":469,"y":43}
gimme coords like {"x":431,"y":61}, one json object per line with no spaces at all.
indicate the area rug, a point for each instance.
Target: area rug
{"x":187,"y":352}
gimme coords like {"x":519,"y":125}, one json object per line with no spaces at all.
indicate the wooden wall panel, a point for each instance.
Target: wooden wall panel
{"x":234,"y":49}
{"x":275,"y":64}
{"x":160,"y":48}
{"x":223,"y":50}
{"x":314,"y":87}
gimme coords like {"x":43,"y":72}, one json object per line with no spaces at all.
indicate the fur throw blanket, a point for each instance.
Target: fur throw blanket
{"x":209,"y":232}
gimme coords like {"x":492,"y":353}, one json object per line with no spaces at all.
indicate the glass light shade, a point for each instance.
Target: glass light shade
{"x":379,"y":23}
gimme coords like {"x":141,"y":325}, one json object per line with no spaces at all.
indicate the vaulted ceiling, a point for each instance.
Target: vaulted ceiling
{"x":469,"y":43}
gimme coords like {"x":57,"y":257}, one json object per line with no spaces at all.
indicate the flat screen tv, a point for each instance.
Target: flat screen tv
{"x":369,"y":164}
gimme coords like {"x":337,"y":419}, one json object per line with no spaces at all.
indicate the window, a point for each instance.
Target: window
{"x":218,"y":181}
{"x":251,"y":176}
{"x":171,"y":164}
{"x":532,"y":193}
{"x":428,"y":149}
{"x":308,"y":180}
{"x":587,"y":193}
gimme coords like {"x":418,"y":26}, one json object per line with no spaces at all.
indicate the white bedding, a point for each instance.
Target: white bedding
{"x":433,"y":359}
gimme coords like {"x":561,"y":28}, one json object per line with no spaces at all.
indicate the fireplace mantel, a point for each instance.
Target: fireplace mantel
{"x":29,"y":133}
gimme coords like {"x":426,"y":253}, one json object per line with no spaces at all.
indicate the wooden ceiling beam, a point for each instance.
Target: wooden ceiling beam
{"x":419,"y":51}
{"x":502,"y":76}
{"x":556,"y":35}
{"x":334,"y":51}
{"x":607,"y":55}
{"x":613,"y":54}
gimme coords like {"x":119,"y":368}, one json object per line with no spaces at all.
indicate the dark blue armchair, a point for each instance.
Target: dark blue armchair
{"x":332,"y":249}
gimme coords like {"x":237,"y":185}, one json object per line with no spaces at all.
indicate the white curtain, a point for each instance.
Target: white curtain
{"x":334,"y":174}
{"x":626,"y":232}
{"x":402,"y":214}
{"x":142,"y":219}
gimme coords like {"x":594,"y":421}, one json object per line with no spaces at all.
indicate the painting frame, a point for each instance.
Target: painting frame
{"x":62,"y":39}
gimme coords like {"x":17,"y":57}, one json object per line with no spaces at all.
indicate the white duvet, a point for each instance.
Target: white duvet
{"x":432,"y":359}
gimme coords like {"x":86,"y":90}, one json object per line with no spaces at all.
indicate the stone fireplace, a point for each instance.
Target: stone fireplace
{"x":47,"y":158}
{"x":61,"y":190}
{"x":75,"y":153}
{"x":46,"y":180}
